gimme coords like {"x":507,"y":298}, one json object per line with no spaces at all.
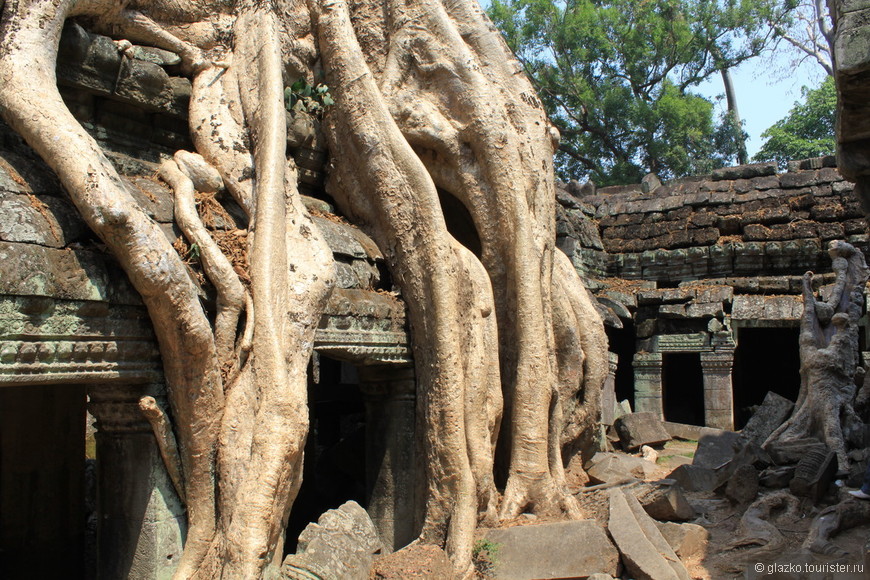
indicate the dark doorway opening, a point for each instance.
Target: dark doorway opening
{"x":622,"y":342}
{"x":42,"y":476}
{"x":459,"y":222}
{"x":766,"y":359}
{"x":335,"y":454}
{"x":683,"y":388}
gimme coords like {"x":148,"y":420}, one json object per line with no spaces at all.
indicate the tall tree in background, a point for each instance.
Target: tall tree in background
{"x":807,"y":130}
{"x":616,"y":76}
{"x":805,"y":28}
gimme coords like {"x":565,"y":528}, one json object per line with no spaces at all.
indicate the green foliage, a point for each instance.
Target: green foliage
{"x":301,"y":96}
{"x":806,"y":131}
{"x":615,"y":78}
{"x":484,"y":556}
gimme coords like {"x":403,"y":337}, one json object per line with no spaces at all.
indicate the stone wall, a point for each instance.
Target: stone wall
{"x":739,"y":222}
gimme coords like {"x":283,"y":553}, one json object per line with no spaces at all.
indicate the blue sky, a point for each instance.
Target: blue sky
{"x":765,"y":93}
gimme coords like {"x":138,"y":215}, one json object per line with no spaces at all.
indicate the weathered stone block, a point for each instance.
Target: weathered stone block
{"x":715,"y":450}
{"x":744,"y":171}
{"x":814,"y":473}
{"x":791,"y":452}
{"x":606,"y":467}
{"x":742,"y":486}
{"x":342,"y":544}
{"x":645,"y":552}
{"x":663,"y":500}
{"x":771,"y":414}
{"x":639,"y":429}
{"x":687,"y":540}
{"x":694,"y":478}
{"x":559,"y":550}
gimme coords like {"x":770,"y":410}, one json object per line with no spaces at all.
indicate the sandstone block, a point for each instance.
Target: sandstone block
{"x":772,"y":413}
{"x":742,"y":486}
{"x":342,"y":544}
{"x":687,"y":540}
{"x":715,"y":450}
{"x":639,"y":429}
{"x":559,"y":550}
{"x":645,"y":552}
{"x":695,"y":478}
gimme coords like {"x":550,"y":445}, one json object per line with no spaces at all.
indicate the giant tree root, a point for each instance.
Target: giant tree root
{"x":829,"y":358}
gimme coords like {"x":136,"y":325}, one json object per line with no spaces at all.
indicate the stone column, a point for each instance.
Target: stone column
{"x":391,"y":458}
{"x":141,"y":522}
{"x":608,"y":391}
{"x":648,"y":383}
{"x":718,"y":391}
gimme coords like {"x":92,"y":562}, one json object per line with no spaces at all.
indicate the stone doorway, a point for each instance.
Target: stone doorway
{"x":42,"y":481}
{"x":766,"y":359}
{"x":683,"y":388}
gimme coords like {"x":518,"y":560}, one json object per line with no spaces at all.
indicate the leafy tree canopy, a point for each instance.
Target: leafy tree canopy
{"x":615,"y":78}
{"x":807,"y":130}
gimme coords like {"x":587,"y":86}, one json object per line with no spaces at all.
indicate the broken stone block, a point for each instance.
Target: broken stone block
{"x":742,"y":487}
{"x":772,"y":413}
{"x":342,"y":544}
{"x":777,"y":477}
{"x":687,"y":540}
{"x":611,"y":467}
{"x":715,"y":450}
{"x":422,"y":562}
{"x":695,"y":478}
{"x":645,"y":552}
{"x":558,"y":550}
{"x":791,"y":452}
{"x":600,"y":576}
{"x":814,"y":473}
{"x":637,"y":429}
{"x":663,"y":500}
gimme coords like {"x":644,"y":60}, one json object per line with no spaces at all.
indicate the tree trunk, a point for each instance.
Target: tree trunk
{"x":733,"y":111}
{"x":829,"y":358}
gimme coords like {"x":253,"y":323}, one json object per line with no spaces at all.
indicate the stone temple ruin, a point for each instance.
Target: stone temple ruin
{"x":699,"y":282}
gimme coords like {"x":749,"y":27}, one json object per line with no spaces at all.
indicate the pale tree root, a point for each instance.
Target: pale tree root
{"x":217,"y":267}
{"x":578,"y":328}
{"x":829,"y":357}
{"x":266,"y":420}
{"x":479,"y":130}
{"x":166,"y":443}
{"x":483,"y":398}
{"x":757,"y":536}
{"x":30,"y":104}
{"x":395,"y":196}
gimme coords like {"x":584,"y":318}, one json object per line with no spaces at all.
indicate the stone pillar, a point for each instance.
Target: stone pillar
{"x":141,"y":522}
{"x":718,"y":391}
{"x":648,"y":383}
{"x":608,"y":391}
{"x":391,"y":458}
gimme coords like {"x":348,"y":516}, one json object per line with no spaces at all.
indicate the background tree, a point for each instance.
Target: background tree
{"x":615,"y":78}
{"x":805,"y":29}
{"x":806,"y":131}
